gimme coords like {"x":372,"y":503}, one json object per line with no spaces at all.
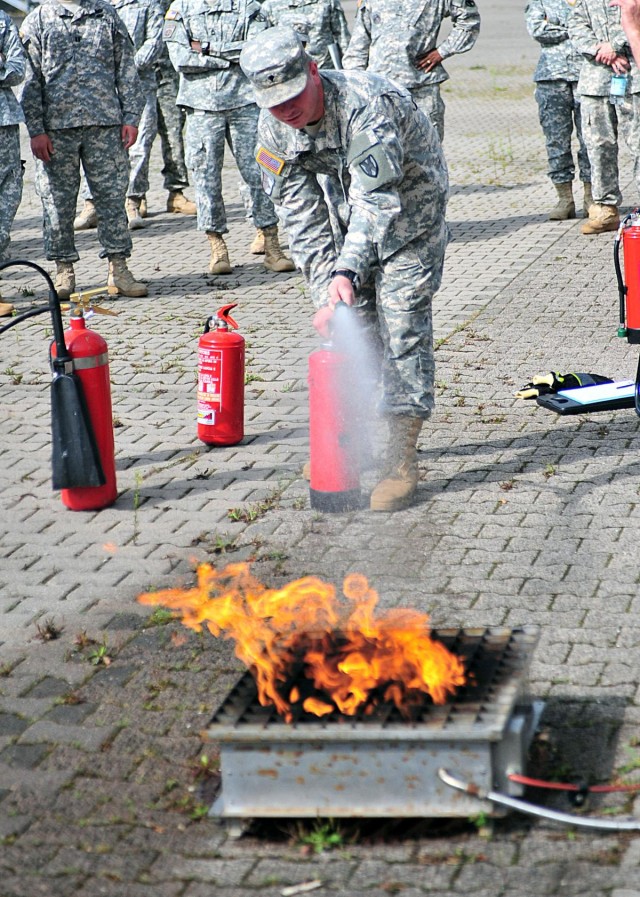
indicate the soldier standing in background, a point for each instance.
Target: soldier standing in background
{"x":205,"y":38}
{"x":385,"y":159}
{"x":82,"y":100}
{"x":609,"y":89}
{"x":12,"y":67}
{"x":321,"y":23}
{"x":399,"y":39}
{"x":171,"y":122}
{"x":556,"y":78}
{"x":143,"y":20}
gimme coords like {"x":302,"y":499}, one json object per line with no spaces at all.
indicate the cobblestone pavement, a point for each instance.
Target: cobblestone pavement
{"x":522,"y":518}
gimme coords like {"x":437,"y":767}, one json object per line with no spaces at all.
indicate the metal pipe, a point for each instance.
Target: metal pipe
{"x":523,"y":806}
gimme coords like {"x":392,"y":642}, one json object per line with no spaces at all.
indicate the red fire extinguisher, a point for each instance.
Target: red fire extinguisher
{"x":88,"y":351}
{"x":221,"y":380}
{"x":629,"y":287}
{"x":334,"y":483}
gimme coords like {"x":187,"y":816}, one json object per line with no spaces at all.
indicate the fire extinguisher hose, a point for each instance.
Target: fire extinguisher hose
{"x":622,"y":289}
{"x":523,"y":806}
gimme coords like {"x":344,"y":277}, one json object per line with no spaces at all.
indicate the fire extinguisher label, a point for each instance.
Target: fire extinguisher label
{"x":209,"y":384}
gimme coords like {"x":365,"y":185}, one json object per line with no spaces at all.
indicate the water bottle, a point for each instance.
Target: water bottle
{"x":618,"y":89}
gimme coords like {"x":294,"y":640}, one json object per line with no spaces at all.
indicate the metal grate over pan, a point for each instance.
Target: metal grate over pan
{"x":496,"y":662}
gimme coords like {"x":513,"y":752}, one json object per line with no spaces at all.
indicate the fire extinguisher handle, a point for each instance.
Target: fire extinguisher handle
{"x":224,"y":315}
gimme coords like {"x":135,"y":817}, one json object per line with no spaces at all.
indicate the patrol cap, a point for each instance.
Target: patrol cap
{"x":276,"y":64}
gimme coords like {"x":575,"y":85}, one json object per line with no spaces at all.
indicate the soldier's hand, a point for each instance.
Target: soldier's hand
{"x":429,"y":61}
{"x":341,"y":290}
{"x":620,"y":65}
{"x":322,"y":319}
{"x":42,"y":148}
{"x":605,"y":53}
{"x":129,"y":136}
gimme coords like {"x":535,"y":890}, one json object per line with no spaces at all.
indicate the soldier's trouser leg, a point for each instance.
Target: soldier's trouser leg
{"x":242,"y":126}
{"x":405,"y":286}
{"x":429,"y":100}
{"x":600,"y":133}
{"x":10,"y":184}
{"x":57,"y":184}
{"x":584,"y":166}
{"x":141,"y":150}
{"x":205,"y":156}
{"x":171,"y":122}
{"x":106,"y":166}
{"x":555,"y":111}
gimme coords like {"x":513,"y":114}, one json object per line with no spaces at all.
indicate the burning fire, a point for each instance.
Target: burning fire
{"x":338,"y":651}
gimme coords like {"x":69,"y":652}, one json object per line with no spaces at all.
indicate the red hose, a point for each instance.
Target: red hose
{"x":569,"y":786}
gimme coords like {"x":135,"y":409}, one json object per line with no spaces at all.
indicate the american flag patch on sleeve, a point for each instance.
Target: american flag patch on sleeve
{"x":269,"y":161}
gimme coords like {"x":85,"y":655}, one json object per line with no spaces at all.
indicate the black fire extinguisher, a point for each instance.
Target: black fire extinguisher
{"x":82,"y":443}
{"x":628,"y":235}
{"x":221,"y":380}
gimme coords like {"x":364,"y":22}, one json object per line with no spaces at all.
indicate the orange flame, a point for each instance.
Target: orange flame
{"x":349,"y":657}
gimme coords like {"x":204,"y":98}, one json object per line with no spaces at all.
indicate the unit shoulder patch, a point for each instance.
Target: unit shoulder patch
{"x":269,"y":160}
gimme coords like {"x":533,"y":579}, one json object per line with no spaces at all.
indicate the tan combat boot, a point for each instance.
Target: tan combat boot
{"x":587,"y":198}
{"x":6,"y":308}
{"x":65,"y":281}
{"x":219,"y":261}
{"x":87,"y":217}
{"x":399,"y":485}
{"x":142,"y":208}
{"x":274,"y":257}
{"x":602,"y":218}
{"x":121,"y":281}
{"x":565,"y":207}
{"x":178,"y":202}
{"x":132,"y":208}
{"x":257,"y":247}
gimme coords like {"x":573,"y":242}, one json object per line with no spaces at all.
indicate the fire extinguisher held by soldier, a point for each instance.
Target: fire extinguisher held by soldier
{"x":384,"y":159}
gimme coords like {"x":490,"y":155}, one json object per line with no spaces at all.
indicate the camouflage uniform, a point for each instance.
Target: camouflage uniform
{"x":218,"y":99}
{"x":144,"y":21}
{"x":319,"y":22}
{"x":384,"y":158}
{"x":12,"y":68}
{"x":80,"y":89}
{"x":171,"y":121}
{"x":593,"y":22}
{"x":556,"y":77}
{"x":389,"y":35}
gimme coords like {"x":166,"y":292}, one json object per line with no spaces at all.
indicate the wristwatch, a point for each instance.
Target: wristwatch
{"x":204,"y":47}
{"x":350,"y":275}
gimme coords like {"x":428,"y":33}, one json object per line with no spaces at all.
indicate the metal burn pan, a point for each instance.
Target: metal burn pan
{"x":383,"y":765}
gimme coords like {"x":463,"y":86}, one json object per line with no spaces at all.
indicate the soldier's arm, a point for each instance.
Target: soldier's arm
{"x":31,"y":98}
{"x":152,"y":47}
{"x":13,"y":60}
{"x":187,"y":55}
{"x":339,"y":27}
{"x":302,"y":209}
{"x":543,"y":29}
{"x":630,"y":21}
{"x":375,"y":160}
{"x":130,"y":92}
{"x":357,"y":54}
{"x":581,"y":33}
{"x":466,"y":27}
